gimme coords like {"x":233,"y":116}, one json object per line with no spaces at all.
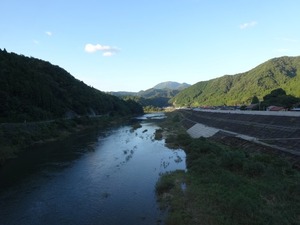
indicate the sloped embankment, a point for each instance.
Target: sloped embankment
{"x":281,"y":133}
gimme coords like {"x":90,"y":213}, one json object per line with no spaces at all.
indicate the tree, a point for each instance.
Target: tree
{"x":278,"y":97}
{"x":275,"y":93}
{"x":32,"y":89}
{"x":255,"y":100}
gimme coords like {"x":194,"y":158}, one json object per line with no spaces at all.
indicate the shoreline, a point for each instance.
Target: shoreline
{"x":14,"y":138}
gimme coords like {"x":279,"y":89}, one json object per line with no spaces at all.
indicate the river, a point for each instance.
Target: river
{"x":92,"y":178}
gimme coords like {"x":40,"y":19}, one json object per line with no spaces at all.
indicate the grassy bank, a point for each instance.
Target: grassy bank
{"x":227,"y":186}
{"x":15,"y":137}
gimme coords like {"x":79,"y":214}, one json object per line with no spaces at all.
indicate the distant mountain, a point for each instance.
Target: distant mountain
{"x":122,"y":93}
{"x":32,"y":89}
{"x":158,"y":96}
{"x":283,"y":72}
{"x":154,"y":93}
{"x":171,"y":85}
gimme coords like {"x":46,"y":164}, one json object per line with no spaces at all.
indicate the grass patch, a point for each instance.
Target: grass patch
{"x":226,"y":186}
{"x":158,"y":135}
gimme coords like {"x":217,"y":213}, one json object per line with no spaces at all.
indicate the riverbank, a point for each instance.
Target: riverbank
{"x":16,"y":137}
{"x":226,"y":185}
{"x":97,"y":176}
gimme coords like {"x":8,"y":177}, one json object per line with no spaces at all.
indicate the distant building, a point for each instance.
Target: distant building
{"x":252,"y":107}
{"x":275,"y":108}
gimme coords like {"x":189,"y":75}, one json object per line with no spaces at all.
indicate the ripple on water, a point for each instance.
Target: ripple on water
{"x":111,"y":183}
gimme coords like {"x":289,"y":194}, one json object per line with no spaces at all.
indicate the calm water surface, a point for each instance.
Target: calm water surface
{"x":105,"y":178}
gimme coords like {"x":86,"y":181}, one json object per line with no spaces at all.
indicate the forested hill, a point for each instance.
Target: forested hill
{"x":171,"y":85}
{"x":32,"y":89}
{"x":283,"y":72}
{"x":157,"y":96}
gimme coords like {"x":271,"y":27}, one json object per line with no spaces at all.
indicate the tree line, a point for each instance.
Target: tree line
{"x":32,"y":89}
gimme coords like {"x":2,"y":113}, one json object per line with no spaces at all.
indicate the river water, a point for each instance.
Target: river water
{"x":101,"y":178}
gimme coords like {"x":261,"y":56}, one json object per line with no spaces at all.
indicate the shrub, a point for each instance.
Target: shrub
{"x":158,"y":134}
{"x":254,"y":169}
{"x":233,"y":160}
{"x":183,"y":139}
{"x":176,"y":118}
{"x":164,"y":184}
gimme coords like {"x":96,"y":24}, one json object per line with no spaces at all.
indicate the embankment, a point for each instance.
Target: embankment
{"x":279,"y":131}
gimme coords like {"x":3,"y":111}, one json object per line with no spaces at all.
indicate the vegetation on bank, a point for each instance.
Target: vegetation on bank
{"x":42,"y":102}
{"x":14,"y":137}
{"x":279,"y":97}
{"x":227,"y":186}
{"x":239,"y":89}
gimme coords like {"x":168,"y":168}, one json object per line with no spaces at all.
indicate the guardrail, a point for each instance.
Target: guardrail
{"x":263,"y":113}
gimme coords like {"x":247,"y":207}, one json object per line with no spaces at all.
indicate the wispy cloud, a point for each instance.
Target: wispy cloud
{"x":36,"y":42}
{"x":107,"y":53}
{"x":247,"y":25}
{"x":286,"y":39}
{"x":105,"y":49}
{"x":49,"y":33}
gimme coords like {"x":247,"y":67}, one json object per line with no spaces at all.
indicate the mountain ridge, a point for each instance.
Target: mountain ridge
{"x":171,"y":85}
{"x":157,"y":96}
{"x":167,"y":85}
{"x":281,"y":72}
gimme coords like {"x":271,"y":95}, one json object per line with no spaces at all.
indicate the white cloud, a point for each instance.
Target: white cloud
{"x":49,"y":33}
{"x":247,"y":25}
{"x":105,"y":49}
{"x":36,"y":42}
{"x":108,"y":53}
{"x":282,"y":50}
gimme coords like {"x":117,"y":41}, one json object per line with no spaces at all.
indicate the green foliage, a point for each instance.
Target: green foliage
{"x":32,"y":89}
{"x":255,"y":100}
{"x":150,"y":102}
{"x":227,"y":186}
{"x":152,"y":109}
{"x":278,"y":97}
{"x":134,"y":107}
{"x":14,"y":137}
{"x":164,"y":185}
{"x":171,"y":85}
{"x":254,"y":169}
{"x":240,"y":88}
{"x":154,"y":93}
{"x":158,"y":135}
{"x":233,"y":160}
{"x":156,"y":97}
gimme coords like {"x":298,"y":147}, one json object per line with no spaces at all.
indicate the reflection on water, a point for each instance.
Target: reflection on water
{"x":96,"y":178}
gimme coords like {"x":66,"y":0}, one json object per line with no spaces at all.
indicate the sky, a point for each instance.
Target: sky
{"x":132,"y":45}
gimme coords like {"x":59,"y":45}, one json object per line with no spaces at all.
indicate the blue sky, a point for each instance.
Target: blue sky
{"x":132,"y":45}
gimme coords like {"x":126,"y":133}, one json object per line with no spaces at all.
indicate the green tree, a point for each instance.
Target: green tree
{"x":279,"y":97}
{"x":274,"y":94}
{"x":255,"y":100}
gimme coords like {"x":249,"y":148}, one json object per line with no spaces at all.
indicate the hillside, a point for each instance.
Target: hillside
{"x":32,"y":89}
{"x":165,"y":89}
{"x":171,"y":85}
{"x":157,"y":96}
{"x":283,"y":72}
